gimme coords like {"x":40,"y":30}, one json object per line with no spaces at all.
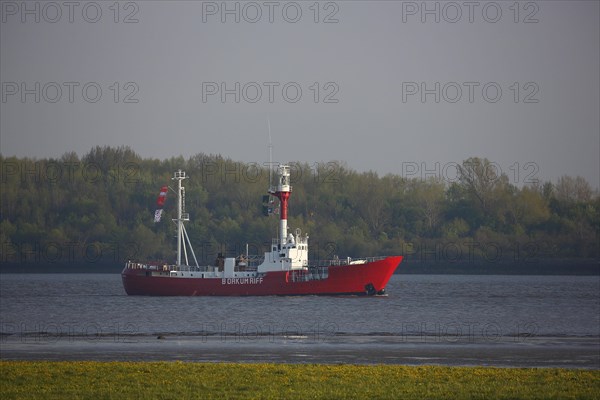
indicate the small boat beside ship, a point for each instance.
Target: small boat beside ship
{"x":283,"y":270}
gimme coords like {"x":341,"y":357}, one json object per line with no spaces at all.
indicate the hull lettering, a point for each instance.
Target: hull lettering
{"x":241,"y":281}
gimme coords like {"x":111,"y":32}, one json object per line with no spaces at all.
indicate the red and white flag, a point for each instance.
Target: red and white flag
{"x":162,"y":196}
{"x":160,"y":202}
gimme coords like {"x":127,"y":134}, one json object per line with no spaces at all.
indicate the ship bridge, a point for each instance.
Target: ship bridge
{"x":288,"y":255}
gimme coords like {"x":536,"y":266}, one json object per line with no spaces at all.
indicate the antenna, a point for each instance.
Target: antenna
{"x":270,"y":152}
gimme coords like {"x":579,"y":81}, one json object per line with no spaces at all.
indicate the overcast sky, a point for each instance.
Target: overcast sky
{"x":381,"y":85}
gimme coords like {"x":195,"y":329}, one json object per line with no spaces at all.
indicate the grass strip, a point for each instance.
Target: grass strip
{"x":178,"y":380}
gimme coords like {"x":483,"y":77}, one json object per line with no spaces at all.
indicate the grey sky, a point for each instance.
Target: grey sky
{"x":371,"y":61}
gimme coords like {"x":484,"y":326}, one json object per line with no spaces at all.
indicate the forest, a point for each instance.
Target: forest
{"x":98,"y":210}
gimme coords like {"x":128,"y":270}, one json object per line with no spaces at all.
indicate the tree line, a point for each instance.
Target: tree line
{"x":99,"y":208}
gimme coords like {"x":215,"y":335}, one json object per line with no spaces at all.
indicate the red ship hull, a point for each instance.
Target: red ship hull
{"x":354,"y":279}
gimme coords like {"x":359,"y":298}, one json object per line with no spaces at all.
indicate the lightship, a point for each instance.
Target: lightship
{"x":283,"y":270}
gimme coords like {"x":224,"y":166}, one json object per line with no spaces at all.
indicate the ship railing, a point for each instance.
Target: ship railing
{"x":312,"y":274}
{"x":192,"y":268}
{"x":145,"y":266}
{"x":169,"y":267}
{"x":345,"y":261}
{"x":252,"y":262}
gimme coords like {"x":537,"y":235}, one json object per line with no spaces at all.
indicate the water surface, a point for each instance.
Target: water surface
{"x":439,"y":319}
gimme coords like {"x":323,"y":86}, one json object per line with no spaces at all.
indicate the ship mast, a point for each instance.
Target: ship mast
{"x":282,"y":192}
{"x":182,"y":236}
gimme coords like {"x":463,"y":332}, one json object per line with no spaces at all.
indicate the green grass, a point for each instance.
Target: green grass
{"x":176,"y":380}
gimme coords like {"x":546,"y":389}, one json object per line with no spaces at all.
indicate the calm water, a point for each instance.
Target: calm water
{"x":424,"y":319}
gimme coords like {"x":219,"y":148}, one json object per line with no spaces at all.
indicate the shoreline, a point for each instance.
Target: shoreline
{"x":504,"y":352}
